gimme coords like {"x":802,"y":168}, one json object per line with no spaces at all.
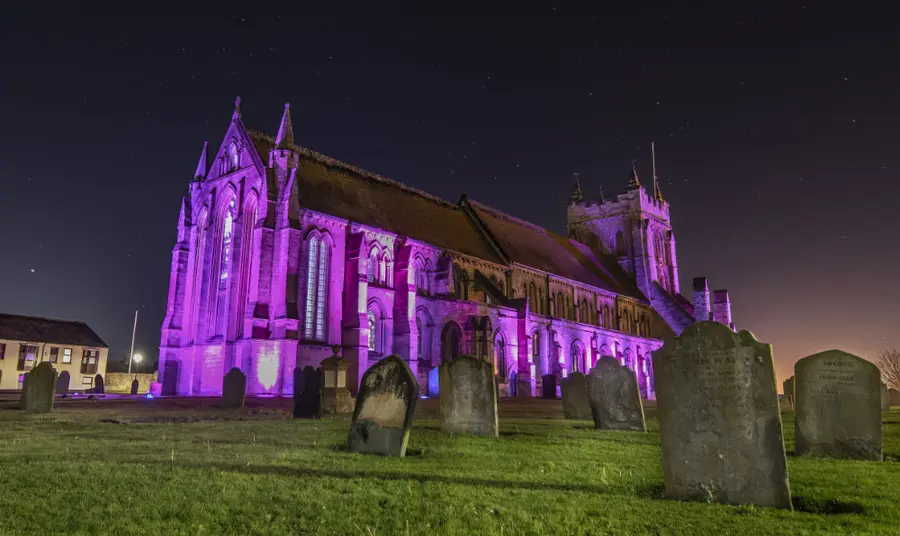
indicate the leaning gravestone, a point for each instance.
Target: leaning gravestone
{"x":468,"y":397}
{"x":885,"y":398}
{"x":615,"y":399}
{"x":40,"y":389}
{"x":384,"y":409}
{"x":575,"y":397}
{"x":98,"y":385}
{"x":838,"y":407}
{"x":234,"y":387}
{"x":135,"y":386}
{"x":719,"y":423}
{"x":62,"y":383}
{"x":307,"y":392}
{"x":548,"y":386}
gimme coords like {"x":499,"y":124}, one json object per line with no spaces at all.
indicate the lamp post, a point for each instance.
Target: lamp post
{"x":137,"y":358}
{"x":133,"y":332}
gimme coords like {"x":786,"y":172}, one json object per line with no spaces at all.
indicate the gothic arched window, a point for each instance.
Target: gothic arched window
{"x":388,"y":270}
{"x":234,"y":158}
{"x":372,"y":266}
{"x":227,"y":239}
{"x":418,"y":338}
{"x":500,"y":357}
{"x":316,"y":289}
{"x":450,"y":342}
{"x":373,"y":333}
{"x":460,"y":283}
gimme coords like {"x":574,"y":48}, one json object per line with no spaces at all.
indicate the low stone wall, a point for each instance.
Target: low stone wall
{"x":120,"y":382}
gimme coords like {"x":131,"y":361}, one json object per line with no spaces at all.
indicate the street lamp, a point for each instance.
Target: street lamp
{"x":137,"y":358}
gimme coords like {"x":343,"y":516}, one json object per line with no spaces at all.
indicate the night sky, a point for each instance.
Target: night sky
{"x":775,"y":134}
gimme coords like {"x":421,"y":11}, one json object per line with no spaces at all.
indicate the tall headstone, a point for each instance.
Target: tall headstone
{"x":885,"y":398}
{"x":384,"y":409}
{"x":894,"y":397}
{"x":40,"y":388}
{"x":719,"y":422}
{"x":23,"y":398}
{"x":307,"y":392}
{"x":788,"y":387}
{"x":615,"y":398}
{"x":548,"y":386}
{"x":234,"y":388}
{"x":838,"y":407}
{"x":135,"y":386}
{"x":62,"y":383}
{"x":468,"y":397}
{"x":98,"y":385}
{"x":336,"y":397}
{"x":574,"y":391}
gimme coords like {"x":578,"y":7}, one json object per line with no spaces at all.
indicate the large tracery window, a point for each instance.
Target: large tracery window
{"x":316,"y":289}
{"x":227,"y":239}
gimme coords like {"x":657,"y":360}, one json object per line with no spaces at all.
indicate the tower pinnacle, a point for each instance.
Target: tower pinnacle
{"x":577,"y":194}
{"x":285,"y":138}
{"x":200,"y":174}
{"x":657,"y":193}
{"x":237,"y":108}
{"x":634,"y":182}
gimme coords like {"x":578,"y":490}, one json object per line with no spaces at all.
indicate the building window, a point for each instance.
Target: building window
{"x":500,"y":358}
{"x":27,"y":355}
{"x":54,"y":354}
{"x":388,"y":271}
{"x":67,"y":355}
{"x":234,"y":158}
{"x":2,"y":350}
{"x":316,"y":289}
{"x":460,"y":283}
{"x":450,"y":342}
{"x":373,"y":333}
{"x":419,"y":338}
{"x":227,"y":239}
{"x":372,"y":267}
{"x":89,"y":361}
{"x":87,"y":381}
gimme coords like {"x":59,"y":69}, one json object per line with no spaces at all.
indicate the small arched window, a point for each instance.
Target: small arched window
{"x":234,"y":157}
{"x":373,"y":331}
{"x":460,"y":283}
{"x":372,"y":266}
{"x":500,"y":357}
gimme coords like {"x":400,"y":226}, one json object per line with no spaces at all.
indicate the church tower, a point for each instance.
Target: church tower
{"x":635,"y":228}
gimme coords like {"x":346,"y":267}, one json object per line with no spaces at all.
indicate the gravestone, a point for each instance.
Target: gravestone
{"x":155,"y":389}
{"x":468,"y":397}
{"x":885,"y":398}
{"x":384,"y":409}
{"x":307,"y":392}
{"x":98,"y":385}
{"x":719,"y":422}
{"x":615,"y":398}
{"x":40,"y":388}
{"x":548,"y":386}
{"x":234,"y":387}
{"x":894,"y":397}
{"x":62,"y":383}
{"x":336,"y":397}
{"x":135,"y":385}
{"x":23,"y":398}
{"x":788,"y":387}
{"x":838,"y":407}
{"x":575,"y":402}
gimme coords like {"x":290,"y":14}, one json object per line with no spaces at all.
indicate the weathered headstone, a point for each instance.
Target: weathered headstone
{"x":40,"y":388}
{"x":468,"y":397}
{"x":23,"y":398}
{"x":615,"y":398}
{"x":98,"y":385}
{"x":719,"y":422}
{"x":575,"y":402}
{"x":307,"y":392}
{"x":135,"y":385}
{"x":62,"y":383}
{"x":788,"y":387}
{"x":384,"y":409}
{"x":234,"y":387}
{"x":838,"y":407}
{"x":336,"y":397}
{"x":885,"y":398}
{"x":894,"y":397}
{"x":548,"y":386}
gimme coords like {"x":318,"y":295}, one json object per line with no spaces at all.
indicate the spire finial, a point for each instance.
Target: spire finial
{"x":602,"y":199}
{"x":285,"y":137}
{"x":200,"y":174}
{"x":657,"y":193}
{"x":237,"y":108}
{"x":634,"y":182}
{"x":577,"y":195}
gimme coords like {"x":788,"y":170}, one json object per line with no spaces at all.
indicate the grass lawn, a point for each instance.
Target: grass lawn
{"x":179,"y":466}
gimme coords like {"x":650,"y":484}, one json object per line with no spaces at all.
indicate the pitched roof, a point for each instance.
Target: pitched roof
{"x":35,"y":329}
{"x":339,"y":189}
{"x":343,"y":190}
{"x":534,"y":246}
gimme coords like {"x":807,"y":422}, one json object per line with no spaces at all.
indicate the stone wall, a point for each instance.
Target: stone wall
{"x":120,"y":382}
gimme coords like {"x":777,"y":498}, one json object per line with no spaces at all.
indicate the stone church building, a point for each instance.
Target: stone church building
{"x":283,"y":252}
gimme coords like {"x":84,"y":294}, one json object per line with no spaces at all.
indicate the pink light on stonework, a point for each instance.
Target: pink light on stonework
{"x":267,"y":368}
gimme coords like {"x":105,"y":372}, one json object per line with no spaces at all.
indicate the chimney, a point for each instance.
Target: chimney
{"x":701,"y":299}
{"x":722,"y":308}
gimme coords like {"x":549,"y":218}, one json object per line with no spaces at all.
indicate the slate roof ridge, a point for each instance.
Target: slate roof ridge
{"x":43,"y":318}
{"x":85,"y":335}
{"x":333,"y":162}
{"x":509,"y":217}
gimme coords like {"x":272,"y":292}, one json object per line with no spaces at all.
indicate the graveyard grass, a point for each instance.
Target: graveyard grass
{"x":193,"y":470}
